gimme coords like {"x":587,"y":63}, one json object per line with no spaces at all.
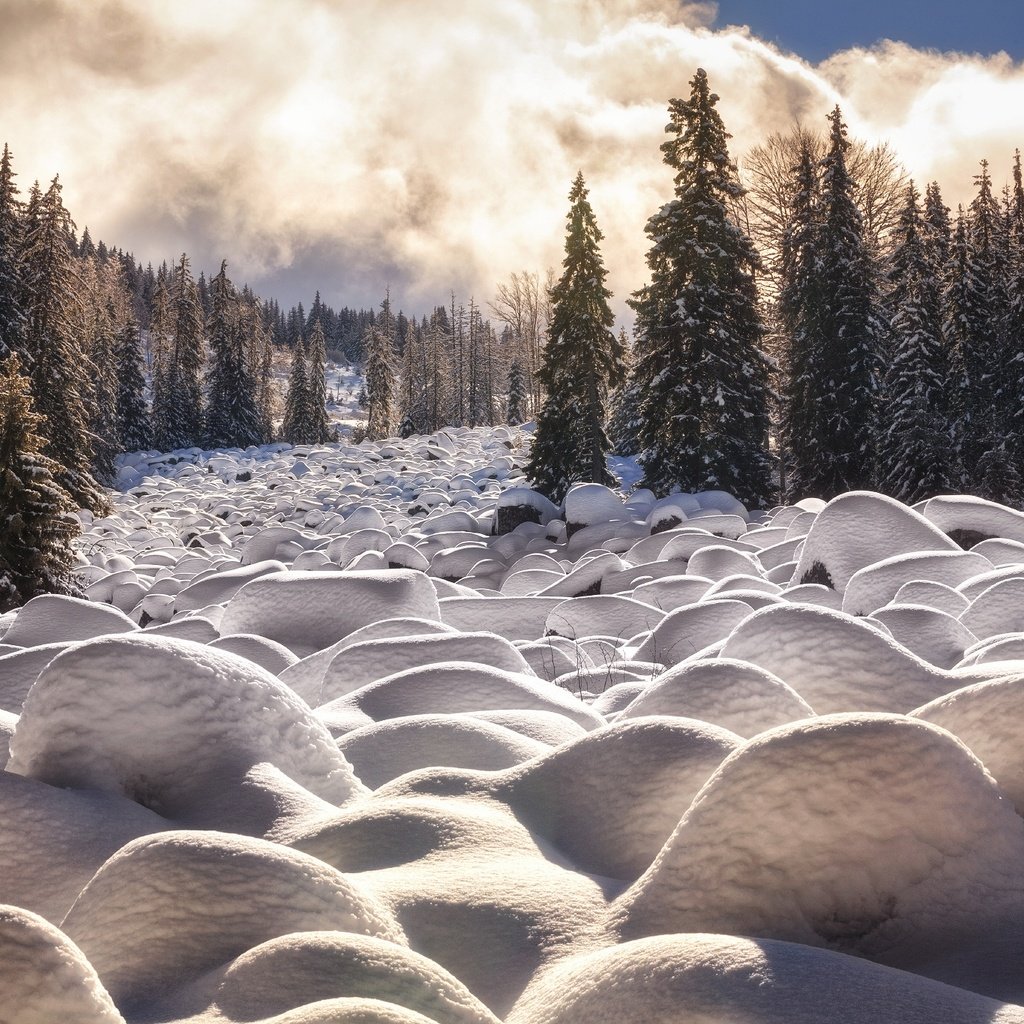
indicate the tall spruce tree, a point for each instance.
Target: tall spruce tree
{"x":698,"y":329}
{"x":231,"y":417}
{"x":380,"y":375}
{"x":518,"y":395}
{"x":55,"y":361}
{"x":914,"y":449}
{"x":134,"y":426}
{"x":294,"y":428}
{"x":12,"y":315}
{"x":836,"y":334}
{"x":37,"y":525}
{"x":318,"y":426}
{"x":579,"y":363}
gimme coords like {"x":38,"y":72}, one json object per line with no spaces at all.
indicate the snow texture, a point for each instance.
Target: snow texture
{"x":377,"y":734}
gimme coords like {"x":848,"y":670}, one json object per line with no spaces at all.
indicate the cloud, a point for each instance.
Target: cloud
{"x":429,"y":147}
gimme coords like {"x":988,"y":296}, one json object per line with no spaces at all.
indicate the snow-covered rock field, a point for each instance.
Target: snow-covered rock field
{"x":376,"y":734}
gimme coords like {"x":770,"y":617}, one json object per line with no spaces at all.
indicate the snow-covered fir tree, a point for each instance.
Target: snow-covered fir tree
{"x":294,"y":428}
{"x":134,"y":426}
{"x":518,"y":395}
{"x":56,"y":364}
{"x":12,"y":316}
{"x":914,"y":447}
{"x":177,"y":386}
{"x":700,"y":368}
{"x":579,"y":363}
{"x":381,"y":389}
{"x":413,"y":384}
{"x":318,"y":426}
{"x":231,"y":416}
{"x":835,"y":329}
{"x":37,"y":525}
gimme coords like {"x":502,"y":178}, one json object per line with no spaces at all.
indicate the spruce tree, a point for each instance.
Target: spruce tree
{"x":800,"y":315}
{"x":52,"y":345}
{"x":698,"y":330}
{"x":914,"y":448}
{"x":578,"y":365}
{"x":518,"y":395}
{"x":232,"y":419}
{"x":133,"y":422}
{"x":318,"y":426}
{"x":12,"y":314}
{"x":294,"y":427}
{"x":38,"y":523}
{"x":831,"y":312}
{"x":380,"y":383}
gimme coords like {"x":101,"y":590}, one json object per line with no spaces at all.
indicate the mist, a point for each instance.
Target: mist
{"x":428,"y":148}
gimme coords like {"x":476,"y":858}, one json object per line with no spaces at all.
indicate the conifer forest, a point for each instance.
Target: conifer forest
{"x":817,"y":324}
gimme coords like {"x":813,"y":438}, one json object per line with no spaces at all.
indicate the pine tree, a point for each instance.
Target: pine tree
{"x":518,"y":395}
{"x":318,"y":426}
{"x":1010,"y":395}
{"x":835,"y":335}
{"x":698,"y":329}
{"x":294,"y":426}
{"x":799,"y":310}
{"x":57,"y":365}
{"x":380,"y":379}
{"x":38,"y":524}
{"x":12,"y":315}
{"x":914,"y":448}
{"x":624,"y":405}
{"x":231,"y":419}
{"x":578,"y":365}
{"x":189,"y":356}
{"x":133,"y":423}
{"x":161,"y":348}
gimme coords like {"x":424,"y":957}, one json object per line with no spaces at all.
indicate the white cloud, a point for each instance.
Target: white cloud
{"x":428,"y":146}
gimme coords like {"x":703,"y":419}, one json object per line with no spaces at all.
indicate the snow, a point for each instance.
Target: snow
{"x":378,"y":733}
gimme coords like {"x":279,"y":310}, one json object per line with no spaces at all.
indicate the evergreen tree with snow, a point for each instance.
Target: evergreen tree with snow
{"x":380,"y":383}
{"x":1010,"y":389}
{"x":56,"y":363}
{"x":518,"y":395}
{"x":12,"y":315}
{"x":318,"y":426}
{"x":134,"y":427}
{"x":914,"y":449}
{"x":231,"y":419}
{"x":178,"y":393}
{"x":413,"y":401}
{"x":38,"y":523}
{"x":830,"y":309}
{"x":294,"y":427}
{"x":579,"y":363}
{"x":700,"y":367}
{"x":624,"y":405}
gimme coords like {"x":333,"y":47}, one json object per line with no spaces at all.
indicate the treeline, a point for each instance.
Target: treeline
{"x":878,"y":344}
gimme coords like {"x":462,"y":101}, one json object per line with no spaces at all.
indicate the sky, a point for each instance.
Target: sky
{"x":356,"y":145}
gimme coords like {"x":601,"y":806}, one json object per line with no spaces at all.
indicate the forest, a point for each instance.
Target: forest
{"x":812,"y":324}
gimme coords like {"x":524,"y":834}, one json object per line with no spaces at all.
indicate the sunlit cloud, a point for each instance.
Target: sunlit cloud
{"x":429,"y":147}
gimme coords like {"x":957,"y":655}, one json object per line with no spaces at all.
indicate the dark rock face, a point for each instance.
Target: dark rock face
{"x":510,"y":516}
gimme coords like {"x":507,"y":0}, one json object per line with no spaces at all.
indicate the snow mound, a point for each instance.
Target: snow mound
{"x":858,"y":529}
{"x":45,"y":978}
{"x":735,"y":695}
{"x":687,"y":631}
{"x":308,"y":611}
{"x":901,"y":845}
{"x":458,"y":686}
{"x":51,"y":618}
{"x":53,"y":840}
{"x":20,"y":669}
{"x":709,"y":979}
{"x":309,"y":967}
{"x":876,"y":585}
{"x":174,"y":726}
{"x":834,"y":661}
{"x":371,"y":660}
{"x":937,"y":637}
{"x":167,"y":908}
{"x":381,"y":752}
{"x":610,"y":800}
{"x":987,"y":717}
